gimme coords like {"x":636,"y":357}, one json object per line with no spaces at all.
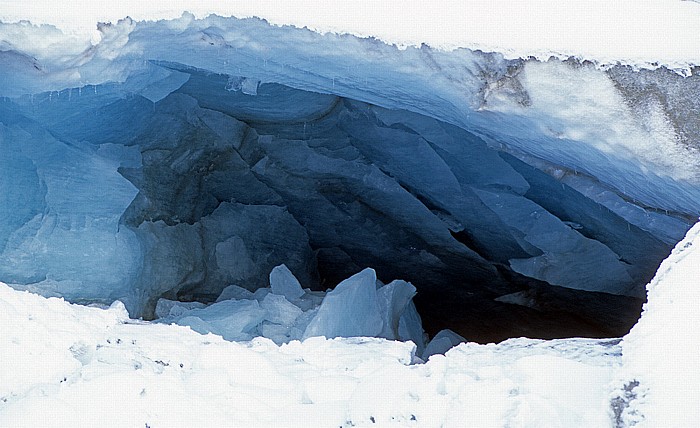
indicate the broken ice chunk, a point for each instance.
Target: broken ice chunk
{"x":231,"y":319}
{"x":275,"y":332}
{"x":171,"y":308}
{"x":260,"y":294}
{"x":411,"y":328}
{"x":393,"y":299}
{"x":442,"y":342}
{"x":279,"y":310}
{"x":351,"y":309}
{"x":250,"y":86}
{"x":283,"y":282}
{"x":236,"y":293}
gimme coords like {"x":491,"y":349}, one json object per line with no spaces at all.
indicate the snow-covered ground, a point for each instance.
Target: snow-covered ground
{"x":661,"y":355}
{"x":70,"y":365}
{"x":67,"y":365}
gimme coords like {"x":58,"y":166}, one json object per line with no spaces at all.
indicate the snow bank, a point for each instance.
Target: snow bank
{"x":661,"y":354}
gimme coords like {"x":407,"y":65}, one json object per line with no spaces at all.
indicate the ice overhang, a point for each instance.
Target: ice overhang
{"x":191,"y":149}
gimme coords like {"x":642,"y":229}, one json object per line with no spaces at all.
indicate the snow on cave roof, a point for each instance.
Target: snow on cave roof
{"x":645,"y":33}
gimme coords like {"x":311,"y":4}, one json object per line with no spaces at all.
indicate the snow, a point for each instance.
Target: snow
{"x":77,"y":366}
{"x":628,"y":31}
{"x":71,"y":365}
{"x":661,"y":354}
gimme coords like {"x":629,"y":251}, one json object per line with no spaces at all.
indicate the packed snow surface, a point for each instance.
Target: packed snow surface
{"x":68,"y":365}
{"x":71,"y":365}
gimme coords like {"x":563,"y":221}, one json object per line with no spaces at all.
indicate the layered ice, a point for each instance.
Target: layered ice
{"x":172,"y":159}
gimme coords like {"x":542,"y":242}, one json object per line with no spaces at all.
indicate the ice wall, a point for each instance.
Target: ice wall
{"x":175,"y":158}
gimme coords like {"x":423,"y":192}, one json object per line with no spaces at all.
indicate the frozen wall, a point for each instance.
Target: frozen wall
{"x":190,"y":155}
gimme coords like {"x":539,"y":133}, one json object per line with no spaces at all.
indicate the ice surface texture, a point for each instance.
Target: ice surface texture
{"x":195,"y":154}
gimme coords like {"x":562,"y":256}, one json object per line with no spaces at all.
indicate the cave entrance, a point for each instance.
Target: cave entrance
{"x":235,"y":177}
{"x":496,"y":248}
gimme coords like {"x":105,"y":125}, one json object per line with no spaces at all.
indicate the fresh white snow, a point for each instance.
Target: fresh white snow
{"x":71,"y":365}
{"x":643,"y":33}
{"x":661,"y":355}
{"x":68,"y":365}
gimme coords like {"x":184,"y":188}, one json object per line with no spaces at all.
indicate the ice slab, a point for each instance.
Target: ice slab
{"x":284,"y":283}
{"x":442,"y":342}
{"x":351,"y":309}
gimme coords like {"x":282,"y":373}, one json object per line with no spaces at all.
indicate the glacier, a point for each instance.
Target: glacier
{"x":244,"y":174}
{"x":171,"y":159}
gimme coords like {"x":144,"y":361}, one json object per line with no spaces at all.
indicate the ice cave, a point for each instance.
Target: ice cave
{"x":292,"y":208}
{"x":174,"y":159}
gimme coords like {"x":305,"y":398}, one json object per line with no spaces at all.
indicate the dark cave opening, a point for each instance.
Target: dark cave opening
{"x":232,"y":183}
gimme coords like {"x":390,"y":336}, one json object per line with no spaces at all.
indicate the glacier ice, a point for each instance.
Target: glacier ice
{"x":279,"y":309}
{"x":233,"y":320}
{"x":172,"y":164}
{"x":188,"y":158}
{"x":350,"y":309}
{"x":284,"y":283}
{"x":356,"y":307}
{"x":441,"y":343}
